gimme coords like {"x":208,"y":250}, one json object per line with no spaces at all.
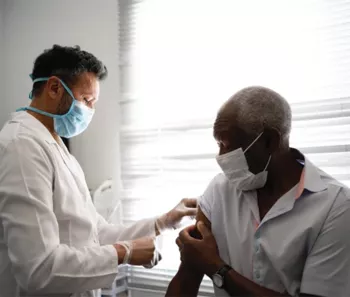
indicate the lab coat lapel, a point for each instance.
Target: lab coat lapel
{"x":71,"y":165}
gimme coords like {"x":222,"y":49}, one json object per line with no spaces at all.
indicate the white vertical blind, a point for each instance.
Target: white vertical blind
{"x":181,"y":59}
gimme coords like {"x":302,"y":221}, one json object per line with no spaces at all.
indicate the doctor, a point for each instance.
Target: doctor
{"x":52,"y":240}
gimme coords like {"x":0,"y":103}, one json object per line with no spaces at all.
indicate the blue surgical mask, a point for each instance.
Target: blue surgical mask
{"x":72,"y":123}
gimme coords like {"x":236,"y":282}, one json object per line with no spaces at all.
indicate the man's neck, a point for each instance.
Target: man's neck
{"x":46,"y":121}
{"x":283,"y":175}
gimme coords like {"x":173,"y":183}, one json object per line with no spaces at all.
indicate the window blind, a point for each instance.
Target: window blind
{"x":181,"y":59}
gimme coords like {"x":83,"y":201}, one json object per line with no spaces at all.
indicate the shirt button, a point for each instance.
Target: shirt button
{"x":257,"y":248}
{"x":257,"y":234}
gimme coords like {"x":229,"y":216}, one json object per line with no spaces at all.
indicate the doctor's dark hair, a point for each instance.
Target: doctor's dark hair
{"x":67,"y":63}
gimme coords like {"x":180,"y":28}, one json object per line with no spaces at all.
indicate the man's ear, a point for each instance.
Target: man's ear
{"x":54,"y":88}
{"x":273,"y":140}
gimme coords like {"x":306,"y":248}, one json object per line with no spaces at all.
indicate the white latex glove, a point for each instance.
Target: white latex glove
{"x":143,"y":251}
{"x":172,"y":219}
{"x":157,"y":257}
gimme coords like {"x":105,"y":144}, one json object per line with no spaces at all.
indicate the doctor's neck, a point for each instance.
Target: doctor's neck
{"x":40,"y":103}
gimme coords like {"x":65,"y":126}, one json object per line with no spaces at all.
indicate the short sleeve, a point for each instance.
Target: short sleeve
{"x":327,"y":268}
{"x":206,"y":201}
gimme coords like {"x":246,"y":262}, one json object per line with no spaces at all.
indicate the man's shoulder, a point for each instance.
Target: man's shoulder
{"x":21,"y":152}
{"x":337,"y":191}
{"x":220,"y":180}
{"x":215,"y":193}
{"x":16,"y":132}
{"x":219,"y":183}
{"x":16,"y":139}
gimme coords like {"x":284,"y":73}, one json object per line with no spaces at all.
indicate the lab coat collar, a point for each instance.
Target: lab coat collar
{"x":38,"y":128}
{"x":33,"y":124}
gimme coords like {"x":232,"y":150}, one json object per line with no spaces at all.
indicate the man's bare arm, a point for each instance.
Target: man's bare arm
{"x":188,"y":280}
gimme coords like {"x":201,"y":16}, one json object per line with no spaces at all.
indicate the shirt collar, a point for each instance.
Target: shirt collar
{"x":32,"y":124}
{"x":310,"y":178}
{"x":310,"y":181}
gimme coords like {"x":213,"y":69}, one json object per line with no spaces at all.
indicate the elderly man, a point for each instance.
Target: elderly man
{"x":52,"y":240}
{"x":272,"y":224}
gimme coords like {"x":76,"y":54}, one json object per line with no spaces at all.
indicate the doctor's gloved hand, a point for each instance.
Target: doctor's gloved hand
{"x":172,"y":219}
{"x":141,"y":252}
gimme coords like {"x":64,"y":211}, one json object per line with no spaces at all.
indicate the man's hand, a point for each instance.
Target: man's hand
{"x":172,"y":219}
{"x":201,"y":253}
{"x":143,"y":252}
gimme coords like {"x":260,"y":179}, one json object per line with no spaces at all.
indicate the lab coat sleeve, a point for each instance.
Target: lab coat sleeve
{"x":41,"y":264}
{"x":110,"y":233}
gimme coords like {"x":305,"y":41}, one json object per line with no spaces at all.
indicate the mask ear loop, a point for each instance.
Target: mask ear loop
{"x":34,"y":81}
{"x":255,"y":140}
{"x":268,"y":163}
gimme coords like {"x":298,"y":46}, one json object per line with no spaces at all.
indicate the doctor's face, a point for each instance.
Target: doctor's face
{"x":85,"y":89}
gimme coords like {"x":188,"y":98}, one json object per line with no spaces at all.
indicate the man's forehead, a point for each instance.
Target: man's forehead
{"x":87,"y":79}
{"x":224,"y":108}
{"x":88,"y":82}
{"x":223,"y":127}
{"x":226,"y":120}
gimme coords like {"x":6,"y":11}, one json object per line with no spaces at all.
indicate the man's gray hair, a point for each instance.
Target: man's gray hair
{"x":257,"y":107}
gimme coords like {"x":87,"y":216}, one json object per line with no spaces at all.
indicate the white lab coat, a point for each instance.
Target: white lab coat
{"x":52,"y":240}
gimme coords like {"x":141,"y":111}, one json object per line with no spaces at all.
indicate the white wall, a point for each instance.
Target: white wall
{"x":32,"y":26}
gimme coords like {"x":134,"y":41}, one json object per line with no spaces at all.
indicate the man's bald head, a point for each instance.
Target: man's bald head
{"x":254,"y":109}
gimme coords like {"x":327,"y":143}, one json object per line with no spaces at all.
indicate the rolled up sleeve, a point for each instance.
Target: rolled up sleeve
{"x":327,"y":268}
{"x":41,"y":264}
{"x":206,"y":201}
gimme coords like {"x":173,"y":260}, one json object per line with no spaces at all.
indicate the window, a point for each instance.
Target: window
{"x":181,"y":59}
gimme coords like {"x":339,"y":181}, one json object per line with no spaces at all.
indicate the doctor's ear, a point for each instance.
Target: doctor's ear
{"x":272,"y":140}
{"x":54,"y":88}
